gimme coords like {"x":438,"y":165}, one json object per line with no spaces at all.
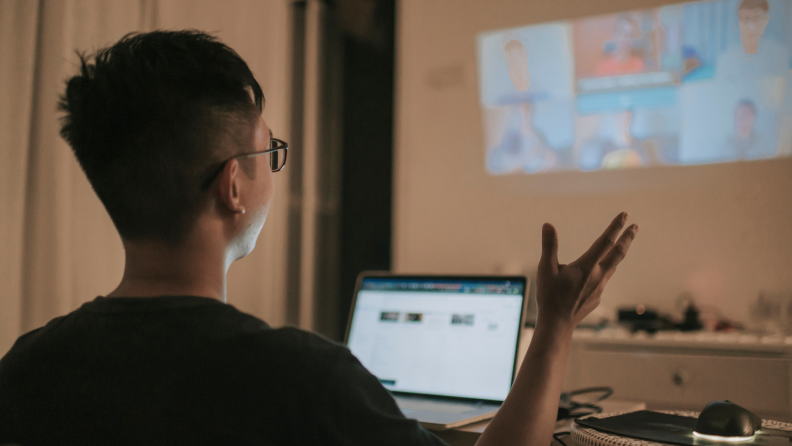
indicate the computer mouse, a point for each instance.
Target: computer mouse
{"x":726,"y":419}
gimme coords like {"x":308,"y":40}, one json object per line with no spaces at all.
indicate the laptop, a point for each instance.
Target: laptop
{"x":444,"y":346}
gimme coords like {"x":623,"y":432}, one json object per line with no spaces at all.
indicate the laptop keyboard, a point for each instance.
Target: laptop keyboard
{"x":433,"y":406}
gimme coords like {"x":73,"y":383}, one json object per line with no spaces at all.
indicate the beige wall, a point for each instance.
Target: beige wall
{"x":722,"y":232}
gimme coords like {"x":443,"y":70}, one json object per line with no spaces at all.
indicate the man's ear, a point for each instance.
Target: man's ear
{"x":229,"y":187}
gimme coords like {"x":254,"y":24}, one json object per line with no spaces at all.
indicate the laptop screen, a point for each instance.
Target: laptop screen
{"x":452,"y":337}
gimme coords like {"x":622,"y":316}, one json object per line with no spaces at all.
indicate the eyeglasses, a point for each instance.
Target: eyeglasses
{"x":276,"y":160}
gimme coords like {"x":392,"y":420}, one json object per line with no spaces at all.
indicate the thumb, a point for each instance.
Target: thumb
{"x":549,"y":261}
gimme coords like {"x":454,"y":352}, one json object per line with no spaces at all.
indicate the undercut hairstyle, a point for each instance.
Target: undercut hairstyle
{"x":150,"y":117}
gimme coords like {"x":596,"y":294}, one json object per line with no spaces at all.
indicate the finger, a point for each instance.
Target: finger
{"x":606,"y":241}
{"x":549,"y":260}
{"x":617,"y":253}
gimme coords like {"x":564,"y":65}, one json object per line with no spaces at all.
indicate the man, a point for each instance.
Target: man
{"x":517,"y":61}
{"x":753,"y":16}
{"x":167,"y":127}
{"x":758,"y":57}
{"x":621,"y":60}
{"x":745,"y":143}
{"x":520,"y":148}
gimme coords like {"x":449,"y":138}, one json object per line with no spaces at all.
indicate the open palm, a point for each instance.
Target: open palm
{"x":567,"y":293}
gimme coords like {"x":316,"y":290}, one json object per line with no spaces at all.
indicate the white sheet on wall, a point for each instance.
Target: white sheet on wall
{"x":719,"y":232}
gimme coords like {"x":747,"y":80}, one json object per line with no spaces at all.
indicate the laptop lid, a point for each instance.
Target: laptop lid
{"x":446,"y":336}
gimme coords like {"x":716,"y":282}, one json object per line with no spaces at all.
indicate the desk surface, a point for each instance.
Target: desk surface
{"x":468,"y":435}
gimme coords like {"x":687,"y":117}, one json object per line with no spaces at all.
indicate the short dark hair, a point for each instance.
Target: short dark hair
{"x":754,"y":4}
{"x":146,"y":118}
{"x":747,"y":103}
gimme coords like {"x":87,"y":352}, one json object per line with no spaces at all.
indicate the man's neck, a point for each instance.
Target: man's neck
{"x":195,"y":268}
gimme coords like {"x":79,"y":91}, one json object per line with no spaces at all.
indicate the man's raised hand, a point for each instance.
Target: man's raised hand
{"x":565,"y":294}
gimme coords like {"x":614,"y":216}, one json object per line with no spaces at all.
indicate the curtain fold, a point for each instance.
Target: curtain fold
{"x":71,"y":250}
{"x":58,"y":246}
{"x":18,"y":25}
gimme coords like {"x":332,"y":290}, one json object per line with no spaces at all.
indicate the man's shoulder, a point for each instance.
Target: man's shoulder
{"x":204,"y":328}
{"x":27,"y":341}
{"x":205,"y":322}
{"x":216,"y":339}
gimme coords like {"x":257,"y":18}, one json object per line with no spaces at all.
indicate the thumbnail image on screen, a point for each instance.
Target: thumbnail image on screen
{"x":695,"y":83}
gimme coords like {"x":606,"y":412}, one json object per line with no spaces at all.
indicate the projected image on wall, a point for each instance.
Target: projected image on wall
{"x":697,"y":83}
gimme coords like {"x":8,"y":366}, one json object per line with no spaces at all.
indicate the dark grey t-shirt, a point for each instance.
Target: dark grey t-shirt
{"x":190,"y":370}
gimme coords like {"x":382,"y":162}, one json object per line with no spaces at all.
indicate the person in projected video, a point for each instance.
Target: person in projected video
{"x":613,"y":146}
{"x":622,"y":58}
{"x":520,"y":148}
{"x":756,"y":55}
{"x":753,"y":16}
{"x":746,"y":143}
{"x":517,"y":61}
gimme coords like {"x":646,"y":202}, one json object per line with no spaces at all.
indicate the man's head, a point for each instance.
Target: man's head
{"x":151,"y":117}
{"x":623,"y":38}
{"x":517,"y":61}
{"x":753,"y":16}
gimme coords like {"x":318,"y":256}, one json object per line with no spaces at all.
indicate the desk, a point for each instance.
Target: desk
{"x":468,"y":435}
{"x":685,"y":371}
{"x":584,"y":435}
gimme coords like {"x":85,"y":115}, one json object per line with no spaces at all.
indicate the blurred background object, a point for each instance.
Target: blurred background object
{"x":771,"y":313}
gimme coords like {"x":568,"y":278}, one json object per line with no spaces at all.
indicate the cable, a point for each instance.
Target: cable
{"x":607,"y":391}
{"x":569,"y":408}
{"x":560,"y":434}
{"x":576,"y":413}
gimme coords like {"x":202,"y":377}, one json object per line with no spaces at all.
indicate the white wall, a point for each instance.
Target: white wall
{"x":722,"y":232}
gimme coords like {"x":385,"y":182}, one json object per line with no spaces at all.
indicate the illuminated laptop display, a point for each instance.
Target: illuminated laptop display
{"x":454,"y":337}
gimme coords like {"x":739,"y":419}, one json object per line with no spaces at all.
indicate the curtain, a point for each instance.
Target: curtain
{"x":17,"y":42}
{"x":58,"y":247}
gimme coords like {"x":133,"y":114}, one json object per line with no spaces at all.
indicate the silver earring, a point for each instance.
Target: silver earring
{"x":243,"y":211}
